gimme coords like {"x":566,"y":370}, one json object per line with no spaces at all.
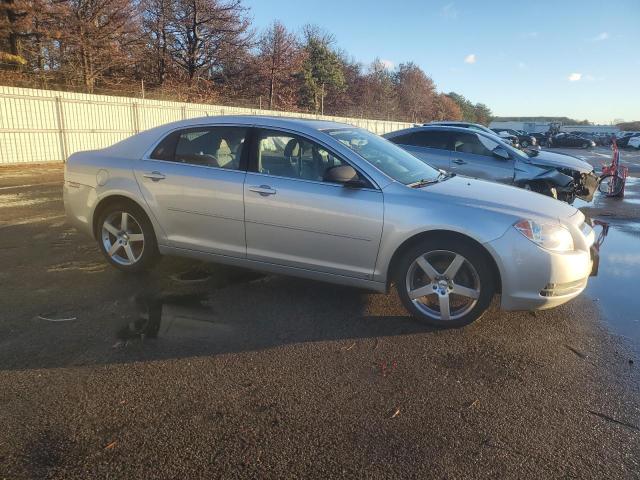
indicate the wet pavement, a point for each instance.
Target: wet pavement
{"x":199,"y":371}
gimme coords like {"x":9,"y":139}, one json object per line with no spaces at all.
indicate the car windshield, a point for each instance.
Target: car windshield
{"x":395,"y":162}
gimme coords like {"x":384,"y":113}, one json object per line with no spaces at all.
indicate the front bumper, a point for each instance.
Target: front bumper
{"x":534,"y":278}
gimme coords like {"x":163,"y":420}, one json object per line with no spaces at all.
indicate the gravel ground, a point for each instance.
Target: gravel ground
{"x":220,"y":372}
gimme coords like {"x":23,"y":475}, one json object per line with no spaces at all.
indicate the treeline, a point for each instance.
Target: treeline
{"x":208,"y":51}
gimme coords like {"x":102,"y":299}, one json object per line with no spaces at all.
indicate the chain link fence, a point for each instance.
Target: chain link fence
{"x":39,"y":126}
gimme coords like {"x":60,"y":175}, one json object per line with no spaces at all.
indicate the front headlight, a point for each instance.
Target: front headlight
{"x":549,"y":236}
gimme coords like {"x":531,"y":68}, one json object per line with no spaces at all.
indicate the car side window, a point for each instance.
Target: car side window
{"x":474,"y":144}
{"x":219,"y":147}
{"x":287,"y":155}
{"x":434,"y":139}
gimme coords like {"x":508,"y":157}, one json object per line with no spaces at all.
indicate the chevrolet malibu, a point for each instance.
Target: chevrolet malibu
{"x":330,"y":202}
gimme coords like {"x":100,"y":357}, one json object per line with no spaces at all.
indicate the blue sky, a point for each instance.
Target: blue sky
{"x":579,"y":58}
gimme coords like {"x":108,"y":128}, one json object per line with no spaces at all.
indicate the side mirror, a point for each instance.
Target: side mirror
{"x":501,"y":153}
{"x":344,"y":174}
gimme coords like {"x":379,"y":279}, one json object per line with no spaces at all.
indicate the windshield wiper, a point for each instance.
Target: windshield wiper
{"x":422,"y":182}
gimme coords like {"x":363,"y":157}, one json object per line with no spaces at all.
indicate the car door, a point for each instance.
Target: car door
{"x":193,"y":184}
{"x":295,"y":219}
{"x":472,"y":155}
{"x":432,"y":147}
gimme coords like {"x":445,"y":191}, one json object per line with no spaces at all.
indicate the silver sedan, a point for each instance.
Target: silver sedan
{"x":330,"y":202}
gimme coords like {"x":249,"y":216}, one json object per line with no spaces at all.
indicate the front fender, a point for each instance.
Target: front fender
{"x":525,"y":173}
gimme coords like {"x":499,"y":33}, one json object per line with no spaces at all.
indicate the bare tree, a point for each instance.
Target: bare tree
{"x":158,"y":17}
{"x":99,"y":37}
{"x":205,"y":32}
{"x":279,"y":59}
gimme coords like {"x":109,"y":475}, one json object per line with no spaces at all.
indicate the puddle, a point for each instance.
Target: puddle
{"x":617,"y":285}
{"x":184,"y":314}
{"x":173,"y":316}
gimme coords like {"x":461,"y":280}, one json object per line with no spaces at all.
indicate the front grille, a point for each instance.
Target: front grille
{"x":561,"y":289}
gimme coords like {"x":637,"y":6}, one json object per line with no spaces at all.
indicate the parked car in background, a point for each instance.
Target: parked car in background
{"x":480,"y":155}
{"x":524,"y":139}
{"x":541,"y":138}
{"x":332,"y":202}
{"x":473,"y":126}
{"x":634,"y":142}
{"x":624,"y":140}
{"x":569,"y":140}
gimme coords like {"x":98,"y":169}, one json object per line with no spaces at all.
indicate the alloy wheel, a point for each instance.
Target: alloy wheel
{"x":443,"y":285}
{"x":123,"y":238}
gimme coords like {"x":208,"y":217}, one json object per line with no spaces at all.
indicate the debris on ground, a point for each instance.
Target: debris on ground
{"x":54,"y":317}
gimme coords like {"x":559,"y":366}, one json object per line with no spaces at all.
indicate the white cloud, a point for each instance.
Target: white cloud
{"x":600,"y":37}
{"x":471,"y":58}
{"x":574,"y":77}
{"x":388,"y":64}
{"x":449,"y":11}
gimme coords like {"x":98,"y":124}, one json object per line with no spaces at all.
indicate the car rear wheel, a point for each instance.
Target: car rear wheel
{"x":126,"y":237}
{"x":445,"y":282}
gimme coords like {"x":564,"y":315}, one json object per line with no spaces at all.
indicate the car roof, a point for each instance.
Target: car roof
{"x":433,"y":127}
{"x":136,"y":145}
{"x":260,"y":120}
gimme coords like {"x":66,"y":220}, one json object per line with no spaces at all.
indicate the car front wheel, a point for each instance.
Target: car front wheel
{"x":126,"y":237}
{"x":445,"y":282}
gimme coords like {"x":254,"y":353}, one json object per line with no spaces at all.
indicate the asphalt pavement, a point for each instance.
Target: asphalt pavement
{"x":201,"y":371}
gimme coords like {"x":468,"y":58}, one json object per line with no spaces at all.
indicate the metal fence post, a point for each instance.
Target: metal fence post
{"x":136,"y":120}
{"x":61,"y":129}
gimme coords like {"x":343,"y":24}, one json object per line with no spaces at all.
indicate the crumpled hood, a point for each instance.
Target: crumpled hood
{"x":560,"y":160}
{"x":503,"y":198}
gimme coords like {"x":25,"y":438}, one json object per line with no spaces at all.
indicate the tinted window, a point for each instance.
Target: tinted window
{"x":219,"y":147}
{"x":475,"y":144}
{"x":166,"y":149}
{"x":434,"y":139}
{"x":287,"y":155}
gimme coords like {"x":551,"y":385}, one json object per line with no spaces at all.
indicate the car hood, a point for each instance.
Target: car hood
{"x":503,"y":198}
{"x":560,"y":160}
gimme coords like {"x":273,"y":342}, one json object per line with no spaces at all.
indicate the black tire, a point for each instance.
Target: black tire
{"x":430,"y":249}
{"x":611,"y":185}
{"x":525,"y":144}
{"x":146,"y":256}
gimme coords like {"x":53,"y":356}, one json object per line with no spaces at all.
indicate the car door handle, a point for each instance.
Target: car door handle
{"x":263,"y":190}
{"x":155,"y":176}
{"x":459,"y":161}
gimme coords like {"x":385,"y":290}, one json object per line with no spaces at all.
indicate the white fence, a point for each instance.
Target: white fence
{"x":47,"y":126}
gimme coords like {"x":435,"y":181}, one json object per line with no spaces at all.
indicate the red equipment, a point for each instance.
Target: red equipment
{"x":614,"y":176}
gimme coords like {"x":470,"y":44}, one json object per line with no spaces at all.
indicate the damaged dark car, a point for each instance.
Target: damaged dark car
{"x":480,"y":155}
